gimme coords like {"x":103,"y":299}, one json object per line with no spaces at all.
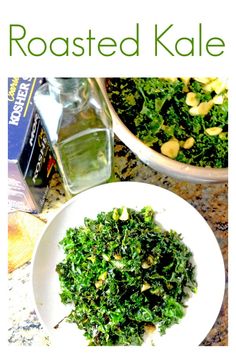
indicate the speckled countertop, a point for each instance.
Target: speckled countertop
{"x":210,"y":200}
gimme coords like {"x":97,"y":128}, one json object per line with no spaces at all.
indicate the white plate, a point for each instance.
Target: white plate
{"x":173,"y":213}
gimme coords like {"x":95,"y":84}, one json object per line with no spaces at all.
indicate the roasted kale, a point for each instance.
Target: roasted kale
{"x":157,"y":111}
{"x":124,"y":274}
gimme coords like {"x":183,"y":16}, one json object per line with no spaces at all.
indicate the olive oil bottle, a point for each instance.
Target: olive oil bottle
{"x":79,"y":128}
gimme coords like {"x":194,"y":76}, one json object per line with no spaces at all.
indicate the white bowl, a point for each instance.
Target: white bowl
{"x":173,"y":213}
{"x":159,"y":162}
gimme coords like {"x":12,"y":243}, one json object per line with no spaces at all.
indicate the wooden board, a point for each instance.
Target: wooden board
{"x":23,"y":231}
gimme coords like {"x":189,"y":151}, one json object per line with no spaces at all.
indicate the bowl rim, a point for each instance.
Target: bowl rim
{"x":156,"y":160}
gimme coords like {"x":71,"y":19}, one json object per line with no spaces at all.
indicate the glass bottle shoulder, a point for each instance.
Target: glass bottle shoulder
{"x":64,"y":121}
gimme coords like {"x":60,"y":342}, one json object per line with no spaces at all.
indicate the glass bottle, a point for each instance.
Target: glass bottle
{"x":79,"y":128}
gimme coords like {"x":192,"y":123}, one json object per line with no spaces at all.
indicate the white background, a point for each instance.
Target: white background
{"x":117,"y":19}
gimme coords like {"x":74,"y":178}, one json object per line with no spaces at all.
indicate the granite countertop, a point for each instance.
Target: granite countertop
{"x":209,"y":199}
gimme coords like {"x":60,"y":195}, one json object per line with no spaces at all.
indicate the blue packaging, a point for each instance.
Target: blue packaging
{"x":30,"y":161}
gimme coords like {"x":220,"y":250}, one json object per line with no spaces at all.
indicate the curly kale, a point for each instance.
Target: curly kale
{"x":155,"y":110}
{"x":123,"y":274}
